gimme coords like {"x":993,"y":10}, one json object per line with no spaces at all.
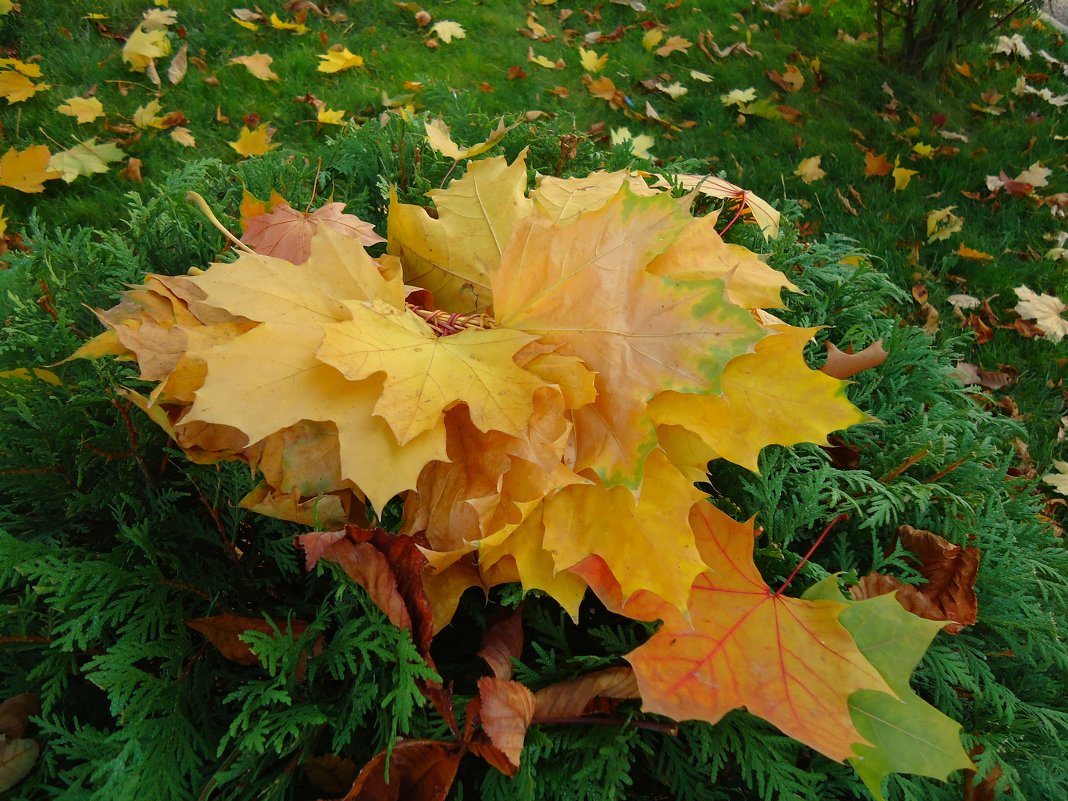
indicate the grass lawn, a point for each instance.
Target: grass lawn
{"x":838,"y":101}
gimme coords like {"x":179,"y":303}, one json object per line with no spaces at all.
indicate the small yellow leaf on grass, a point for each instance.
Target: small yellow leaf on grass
{"x":329,"y":116}
{"x":703,"y":77}
{"x":255,"y":142}
{"x":259,"y":64}
{"x":280,"y":24}
{"x":591,"y":62}
{"x":6,"y":7}
{"x":809,"y":170}
{"x":148,"y":115}
{"x":738,"y":97}
{"x":16,"y":87}
{"x":542,"y":61}
{"x":652,"y":38}
{"x":923,"y":150}
{"x":29,"y":70}
{"x":902,"y":176}
{"x":447,"y":30}
{"x":963,"y":69}
{"x":85,"y":158}
{"x":142,"y":47}
{"x":252,"y":26}
{"x":183,"y":136}
{"x":84,"y":109}
{"x":26,"y":170}
{"x":675,"y":44}
{"x":966,"y":252}
{"x":942,"y":224}
{"x":338,"y":60}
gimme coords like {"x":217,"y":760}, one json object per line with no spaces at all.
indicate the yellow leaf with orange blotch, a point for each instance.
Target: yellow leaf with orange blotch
{"x":334,"y":61}
{"x":424,"y":373}
{"x":84,"y":109}
{"x":259,"y":64}
{"x":741,"y":644}
{"x":455,"y":254}
{"x":769,"y":397}
{"x":655,"y":522}
{"x":583,"y":287}
{"x":27,"y":170}
{"x":440,"y":138}
{"x":252,"y":206}
{"x":256,"y":142}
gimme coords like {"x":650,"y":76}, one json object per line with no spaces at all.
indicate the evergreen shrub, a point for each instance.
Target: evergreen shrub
{"x":111,"y":540}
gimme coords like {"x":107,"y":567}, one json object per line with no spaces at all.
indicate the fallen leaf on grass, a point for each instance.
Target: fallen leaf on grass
{"x":27,"y":170}
{"x":876,"y":166}
{"x":330,"y":116}
{"x":942,"y":224}
{"x":183,"y":136}
{"x":254,"y":142}
{"x":334,"y":61}
{"x":259,"y":64}
{"x":447,"y":30}
{"x":83,"y":109}
{"x":143,"y":47}
{"x":966,"y":252}
{"x":809,"y":169}
{"x":1045,"y":310}
{"x":738,"y":97}
{"x":85,"y":158}
{"x":1059,"y":479}
{"x":675,"y":44}
{"x":591,"y":62}
{"x":902,"y":176}
{"x":16,"y":87}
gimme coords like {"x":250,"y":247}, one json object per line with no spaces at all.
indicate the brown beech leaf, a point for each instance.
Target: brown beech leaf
{"x":15,"y":714}
{"x":17,"y":758}
{"x":843,"y":364}
{"x":570,"y":699}
{"x":418,"y":770}
{"x":286,"y":233}
{"x":389,"y":566}
{"x":502,"y":641}
{"x":505,"y":710}
{"x":950,"y":570}
{"x":224,"y":632}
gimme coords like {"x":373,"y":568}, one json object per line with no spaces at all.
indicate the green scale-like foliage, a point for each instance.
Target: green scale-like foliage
{"x":112,"y":540}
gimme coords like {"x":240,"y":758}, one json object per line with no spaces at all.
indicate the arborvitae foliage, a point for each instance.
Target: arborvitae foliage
{"x":111,"y":540}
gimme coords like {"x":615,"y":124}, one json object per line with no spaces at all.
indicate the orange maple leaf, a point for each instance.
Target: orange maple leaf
{"x":285,"y":233}
{"x":786,"y":660}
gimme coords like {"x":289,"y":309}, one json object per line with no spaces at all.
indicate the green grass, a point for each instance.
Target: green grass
{"x":837,"y":113}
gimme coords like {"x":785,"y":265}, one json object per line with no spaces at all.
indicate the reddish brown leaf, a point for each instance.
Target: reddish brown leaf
{"x":224,"y":630}
{"x":286,"y":233}
{"x":569,"y":699}
{"x":329,"y":773}
{"x":843,"y":364}
{"x":502,"y":642}
{"x":950,"y":570}
{"x":506,"y":709}
{"x":15,"y":714}
{"x":317,"y":543}
{"x":419,"y":770}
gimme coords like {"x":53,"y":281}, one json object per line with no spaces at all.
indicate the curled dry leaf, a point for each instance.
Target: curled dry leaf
{"x":844,"y":364}
{"x":571,"y":699}
{"x":505,"y":710}
{"x":15,"y":714}
{"x":418,"y":770}
{"x":950,"y":570}
{"x":503,"y":642}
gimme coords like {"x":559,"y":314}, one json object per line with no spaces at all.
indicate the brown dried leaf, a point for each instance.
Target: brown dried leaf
{"x":17,"y":758}
{"x":419,"y":770}
{"x":502,"y":642}
{"x":569,"y":699}
{"x":15,"y":714}
{"x":506,"y":709}
{"x":224,"y":631}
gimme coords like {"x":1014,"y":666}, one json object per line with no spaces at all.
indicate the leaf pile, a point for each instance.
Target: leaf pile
{"x":541,"y":376}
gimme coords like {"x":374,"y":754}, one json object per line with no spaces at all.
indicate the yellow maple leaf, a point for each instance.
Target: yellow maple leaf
{"x":440,"y":138}
{"x":85,"y":158}
{"x":809,"y":169}
{"x":651,"y":38}
{"x":966,"y":252}
{"x":280,"y":24}
{"x":84,"y":109}
{"x":338,"y":60}
{"x":143,"y":47}
{"x":639,"y":145}
{"x":330,"y":116}
{"x":769,"y":397}
{"x":942,"y":224}
{"x":148,"y":115}
{"x":447,"y":30}
{"x":16,"y":87}
{"x":480,"y":210}
{"x":738,"y":97}
{"x":674,"y":44}
{"x":923,"y":150}
{"x":29,"y":69}
{"x":254,"y":142}
{"x":259,"y":64}
{"x":591,"y":62}
{"x":902,"y":176}
{"x":27,"y":170}
{"x":183,"y":136}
